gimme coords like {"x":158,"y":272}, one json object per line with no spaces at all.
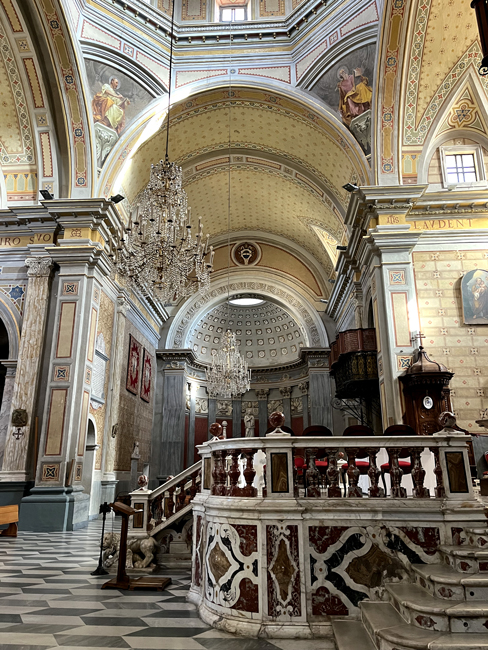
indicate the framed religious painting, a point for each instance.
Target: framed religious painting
{"x":133,"y":365}
{"x":146,"y":376}
{"x":474,"y":294}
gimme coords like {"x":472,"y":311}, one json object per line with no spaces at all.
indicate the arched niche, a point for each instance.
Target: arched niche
{"x":197,"y":305}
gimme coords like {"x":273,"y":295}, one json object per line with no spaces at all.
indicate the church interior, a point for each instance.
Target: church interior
{"x":244,"y":324}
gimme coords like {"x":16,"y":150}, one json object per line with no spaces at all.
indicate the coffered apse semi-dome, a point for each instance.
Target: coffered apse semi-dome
{"x":268,"y":335}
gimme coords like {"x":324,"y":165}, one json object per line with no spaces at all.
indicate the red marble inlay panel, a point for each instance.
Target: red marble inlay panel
{"x":326,"y":604}
{"x":248,"y":600}
{"x":321,"y":537}
{"x":248,"y":538}
{"x":427,"y":538}
{"x":198,"y":547}
{"x":457,"y":536}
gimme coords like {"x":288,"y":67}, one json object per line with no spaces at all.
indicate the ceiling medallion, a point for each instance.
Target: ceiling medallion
{"x":246,"y":254}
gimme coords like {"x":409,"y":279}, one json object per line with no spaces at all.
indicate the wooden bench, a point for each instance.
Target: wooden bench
{"x":9,"y":515}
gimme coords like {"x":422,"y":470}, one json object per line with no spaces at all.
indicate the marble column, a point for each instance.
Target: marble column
{"x":303,"y":387}
{"x":8,"y":390}
{"x":212,"y":412}
{"x":320,"y":397}
{"x":285,"y":393}
{"x":173,"y":433}
{"x":236,"y":418}
{"x":16,"y":460}
{"x":191,"y":427}
{"x":108,"y":479}
{"x":262,"y":396}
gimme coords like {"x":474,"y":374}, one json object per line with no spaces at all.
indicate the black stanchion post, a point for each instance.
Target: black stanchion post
{"x":100,"y":570}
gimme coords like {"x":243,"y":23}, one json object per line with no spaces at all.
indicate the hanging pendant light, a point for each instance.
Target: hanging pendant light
{"x":228,"y":375}
{"x":159,"y":252}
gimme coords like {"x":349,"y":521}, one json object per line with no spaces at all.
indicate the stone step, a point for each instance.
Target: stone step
{"x":425,"y":611}
{"x":445,"y":582}
{"x":390,"y":632}
{"x":465,"y":559}
{"x":351,"y":634}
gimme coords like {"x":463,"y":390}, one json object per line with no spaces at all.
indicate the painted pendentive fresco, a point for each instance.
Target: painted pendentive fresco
{"x":474,"y":291}
{"x":116,"y":101}
{"x":346,"y":88}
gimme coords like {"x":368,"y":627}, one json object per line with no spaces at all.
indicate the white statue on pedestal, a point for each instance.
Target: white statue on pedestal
{"x":249,"y":422}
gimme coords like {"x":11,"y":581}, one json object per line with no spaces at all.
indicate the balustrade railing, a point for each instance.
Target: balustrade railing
{"x":337,"y":467}
{"x":171,"y":497}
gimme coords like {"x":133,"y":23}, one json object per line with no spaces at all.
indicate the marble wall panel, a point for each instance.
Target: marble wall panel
{"x":232,"y":566}
{"x":283,"y":572}
{"x":351,"y":564}
{"x":57,"y":408}
{"x":65,"y":330}
{"x":98,"y":411}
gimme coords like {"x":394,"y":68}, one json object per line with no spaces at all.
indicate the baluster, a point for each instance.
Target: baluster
{"x":396,"y":474}
{"x":249,"y":474}
{"x":170,"y":502}
{"x":296,"y":492}
{"x":181,"y":498}
{"x":333,"y":476}
{"x":323,"y":474}
{"x":439,"y":490}
{"x":193,"y":486}
{"x":353,"y":474}
{"x":219,"y":474}
{"x":312,"y":474}
{"x":418,"y":475}
{"x":374,"y":474}
{"x":234,"y":474}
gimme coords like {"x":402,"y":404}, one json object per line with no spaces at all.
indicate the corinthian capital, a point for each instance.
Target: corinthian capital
{"x":38,"y":267}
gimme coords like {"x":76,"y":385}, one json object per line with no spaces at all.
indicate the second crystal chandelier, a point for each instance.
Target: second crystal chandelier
{"x":159,"y":253}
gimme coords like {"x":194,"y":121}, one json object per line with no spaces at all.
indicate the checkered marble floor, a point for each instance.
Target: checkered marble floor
{"x":48,"y":599}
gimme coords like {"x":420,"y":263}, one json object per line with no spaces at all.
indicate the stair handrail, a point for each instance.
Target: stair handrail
{"x":175,"y":480}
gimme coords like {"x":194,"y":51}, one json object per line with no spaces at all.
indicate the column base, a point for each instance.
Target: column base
{"x":108,"y":489}
{"x":12,"y":492}
{"x":54,"y":509}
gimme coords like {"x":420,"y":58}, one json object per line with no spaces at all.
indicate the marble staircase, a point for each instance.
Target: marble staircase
{"x":445,"y":607}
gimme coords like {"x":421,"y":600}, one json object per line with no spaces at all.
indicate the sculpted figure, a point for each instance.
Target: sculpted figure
{"x":140,"y":552}
{"x":249,"y":423}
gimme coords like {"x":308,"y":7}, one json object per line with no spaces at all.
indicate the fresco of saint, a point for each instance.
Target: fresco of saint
{"x":474,"y":289}
{"x":109,"y":106}
{"x":355,"y":94}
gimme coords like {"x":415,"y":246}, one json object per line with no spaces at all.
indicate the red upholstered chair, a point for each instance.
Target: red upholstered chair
{"x":318,"y":430}
{"x":361,"y":464}
{"x":405,"y":462}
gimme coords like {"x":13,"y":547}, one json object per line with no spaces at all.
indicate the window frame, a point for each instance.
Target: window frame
{"x":476,"y":151}
{"x":222,"y":9}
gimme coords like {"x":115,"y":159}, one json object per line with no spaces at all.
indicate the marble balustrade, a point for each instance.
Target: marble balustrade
{"x":320,"y":467}
{"x":282,"y":556}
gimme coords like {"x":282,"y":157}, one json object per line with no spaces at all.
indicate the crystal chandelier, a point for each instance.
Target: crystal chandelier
{"x":229,"y":375}
{"x":158,"y":252}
